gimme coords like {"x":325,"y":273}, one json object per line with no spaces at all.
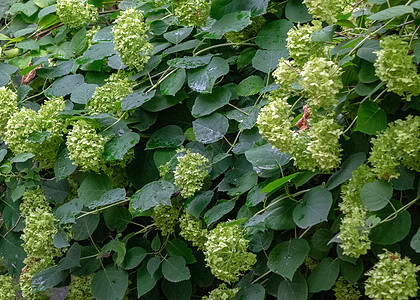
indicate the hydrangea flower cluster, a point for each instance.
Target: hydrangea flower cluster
{"x":165,"y":218}
{"x":192,"y":12}
{"x":353,"y":231}
{"x":86,"y":146}
{"x":38,"y":237}
{"x":130,"y":39}
{"x":395,"y":67}
{"x":285,"y":75}
{"x":8,"y":106}
{"x":392,"y":277}
{"x":399,"y":143}
{"x":76,"y":13}
{"x":192,"y":231}
{"x":321,"y":82}
{"x":79,"y":288}
{"x":190,"y":172}
{"x":326,"y":10}
{"x":221,"y":293}
{"x":27,"y":122}
{"x":6,"y":287}
{"x":301,"y":46}
{"x":107,"y":98}
{"x":226,"y":252}
{"x":345,"y":291}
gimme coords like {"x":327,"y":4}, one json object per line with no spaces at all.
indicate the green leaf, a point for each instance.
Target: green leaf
{"x":273,"y":35}
{"x":55,"y":191}
{"x":234,"y":21}
{"x":28,"y":44}
{"x":219,"y":8}
{"x":44,"y":3}
{"x":280,"y":215}
{"x":255,"y":196}
{"x":267,"y":161}
{"x":393,"y":231}
{"x":324,"y":275}
{"x":99,"y":51}
{"x":190,"y":62}
{"x":60,"y":240}
{"x":296,"y":11}
{"x":11,"y":251}
{"x":367,"y":50}
{"x":391,"y":12}
{"x":371,"y":119}
{"x":347,"y":168}
{"x":267,"y":60}
{"x":211,"y":128}
{"x":93,"y":187}
{"x":324,"y":35}
{"x":28,"y":8}
{"x":175,"y":270}
{"x":251,"y":292}
{"x":65,"y":86}
{"x":18,"y":192}
{"x":161,"y":102}
{"x":134,"y":257}
{"x":60,"y":69}
{"x":286,"y":257}
{"x":78,"y":42}
{"x":63,"y":166}
{"x":206,"y":104}
{"x":173,"y":83}
{"x":314,"y":207}
{"x":3,"y":153}
{"x":296,"y":289}
{"x":116,"y":148}
{"x":244,"y":184}
{"x":66,"y":213}
{"x":178,"y":290}
{"x":21,"y":157}
{"x":109,"y":197}
{"x":182,"y":47}
{"x":4,"y":6}
{"x":261,"y":240}
{"x":367,"y":73}
{"x":415,"y":241}
{"x":110,"y":283}
{"x":117,"y":218}
{"x":116,"y":246}
{"x":405,"y":181}
{"x":216,"y":212}
{"x":376,"y":195}
{"x":83,"y":93}
{"x":145,"y":281}
{"x":203,"y":78}
{"x":250,"y":86}
{"x":152,"y":194}
{"x":47,"y":278}
{"x":178,"y":35}
{"x":84,"y":227}
{"x":177,"y":247}
{"x":136,"y":99}
{"x":72,"y":258}
{"x":351,"y":272}
{"x":197,"y":204}
{"x":46,"y":11}
{"x":170,"y":136}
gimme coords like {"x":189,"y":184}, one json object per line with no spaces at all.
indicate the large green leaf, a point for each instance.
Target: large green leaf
{"x":273,"y":35}
{"x":134,"y":257}
{"x":280,"y":216}
{"x":117,"y":218}
{"x":152,"y":194}
{"x":93,"y":187}
{"x":251,"y":292}
{"x":296,"y":11}
{"x":392,"y":12}
{"x":136,"y":99}
{"x":345,"y":173}
{"x":170,"y":136}
{"x":48,"y":278}
{"x":393,"y":231}
{"x":12,"y":252}
{"x":267,"y":60}
{"x":178,"y":35}
{"x":376,"y":195}
{"x":286,"y":257}
{"x":175,"y":270}
{"x":173,"y":83}
{"x":110,"y":283}
{"x":324,"y":275}
{"x":415,"y":241}
{"x":267,"y":160}
{"x":250,"y":86}
{"x":371,"y":119}
{"x":296,"y":289}
{"x":197,"y":204}
{"x":234,"y":21}
{"x":85,"y":227}
{"x":314,"y":207}
{"x":145,"y":281}
{"x":218,"y":211}
{"x":65,"y":85}
{"x":202,"y":79}
{"x":109,"y":197}
{"x":190,"y":62}
{"x":219,"y":8}
{"x":206,"y":104}
{"x":177,"y":247}
{"x":211,"y":128}
{"x":351,"y":272}
{"x":116,"y":148}
{"x":66,"y":213}
{"x":177,"y":290}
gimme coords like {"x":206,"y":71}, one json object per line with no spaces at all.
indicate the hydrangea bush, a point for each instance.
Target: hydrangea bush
{"x":196,"y":149}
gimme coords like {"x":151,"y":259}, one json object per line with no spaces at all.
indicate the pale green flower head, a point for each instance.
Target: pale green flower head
{"x":190,"y":173}
{"x":33,"y":199}
{"x":345,"y":291}
{"x":221,"y":293}
{"x":392,"y":277}
{"x":192,"y":231}
{"x":396,"y":68}
{"x":79,"y":288}
{"x":226,"y":253}
{"x":76,"y":13}
{"x":327,"y":10}
{"x":130,"y":39}
{"x":285,"y":74}
{"x":108,"y":98}
{"x":300,"y":44}
{"x":165,"y":218}
{"x":7,"y":290}
{"x":33,"y":267}
{"x":86,"y":146}
{"x":8,"y":106}
{"x":192,"y":12}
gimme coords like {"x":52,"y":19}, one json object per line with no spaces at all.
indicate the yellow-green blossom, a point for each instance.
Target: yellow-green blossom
{"x":345,"y":291}
{"x":8,"y":106}
{"x":32,"y":267}
{"x":284,"y":75}
{"x":86,"y":146}
{"x":79,"y":288}
{"x":190,"y":173}
{"x":192,"y":231}
{"x":392,"y":277}
{"x":321,"y":82}
{"x":327,"y":10}
{"x":192,"y":12}
{"x":165,"y":218}
{"x":221,"y":293}
{"x":33,"y":199}
{"x":396,"y":68}
{"x":226,"y":253}
{"x":301,"y":46}
{"x":76,"y":13}
{"x":130,"y":39}
{"x":7,"y":292}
